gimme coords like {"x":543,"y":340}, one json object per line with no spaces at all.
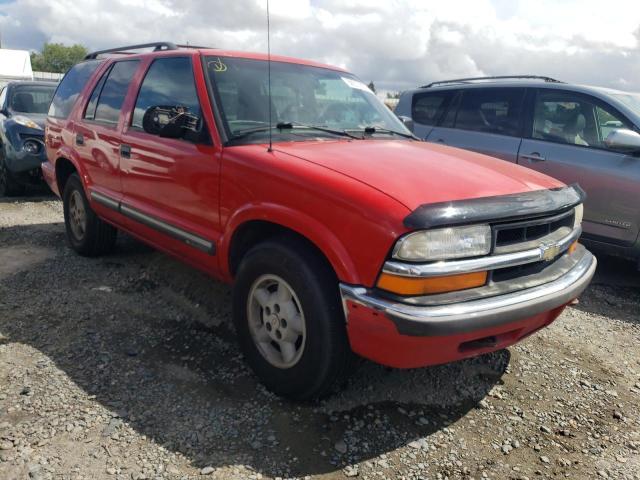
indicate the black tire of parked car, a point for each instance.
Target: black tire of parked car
{"x":327,"y":359}
{"x":9,"y":187}
{"x":99,"y":237}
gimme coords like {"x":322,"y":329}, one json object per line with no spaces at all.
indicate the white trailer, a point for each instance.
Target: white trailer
{"x":14,"y":65}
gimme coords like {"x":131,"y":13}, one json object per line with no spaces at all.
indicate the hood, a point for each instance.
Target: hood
{"x":415,"y":173}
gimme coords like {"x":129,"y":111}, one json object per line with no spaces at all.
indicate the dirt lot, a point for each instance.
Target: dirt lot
{"x":126,"y":367}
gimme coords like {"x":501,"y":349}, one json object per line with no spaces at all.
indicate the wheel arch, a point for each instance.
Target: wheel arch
{"x":64,"y":169}
{"x":248,"y":228}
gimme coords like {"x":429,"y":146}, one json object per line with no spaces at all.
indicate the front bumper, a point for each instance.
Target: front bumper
{"x":18,"y":161}
{"x":403,"y":335}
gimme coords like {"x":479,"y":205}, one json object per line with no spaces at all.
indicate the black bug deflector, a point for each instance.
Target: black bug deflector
{"x":495,"y":209}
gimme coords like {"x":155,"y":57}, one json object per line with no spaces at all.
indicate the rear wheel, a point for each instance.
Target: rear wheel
{"x":9,"y":187}
{"x":86,"y":232}
{"x":289,"y":320}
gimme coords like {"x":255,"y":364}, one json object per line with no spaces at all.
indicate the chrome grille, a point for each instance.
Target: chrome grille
{"x":510,"y":237}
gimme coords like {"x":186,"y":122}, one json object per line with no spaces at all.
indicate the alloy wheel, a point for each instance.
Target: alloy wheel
{"x":276,"y":321}
{"x":77,"y":215}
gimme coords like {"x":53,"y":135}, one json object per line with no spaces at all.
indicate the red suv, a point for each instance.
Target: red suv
{"x":340,"y":231}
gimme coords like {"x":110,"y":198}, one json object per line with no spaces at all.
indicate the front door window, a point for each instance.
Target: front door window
{"x":574,"y":119}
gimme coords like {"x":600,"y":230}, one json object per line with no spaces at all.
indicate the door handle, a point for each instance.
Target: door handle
{"x":125,"y":151}
{"x":534,"y":157}
{"x":79,"y":139}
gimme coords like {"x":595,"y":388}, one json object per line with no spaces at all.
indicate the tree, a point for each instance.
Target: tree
{"x":372,"y":87}
{"x":57,"y":58}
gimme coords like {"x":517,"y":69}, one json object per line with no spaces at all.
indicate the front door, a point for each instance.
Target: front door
{"x":567,"y":142}
{"x":171,"y":184}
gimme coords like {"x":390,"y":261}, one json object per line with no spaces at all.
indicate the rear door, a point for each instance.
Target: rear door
{"x":97,"y":136}
{"x":566,"y":140}
{"x":485,"y":120}
{"x":171,"y":184}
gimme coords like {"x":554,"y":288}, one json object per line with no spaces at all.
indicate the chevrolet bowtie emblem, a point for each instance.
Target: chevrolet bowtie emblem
{"x":549,"y":252}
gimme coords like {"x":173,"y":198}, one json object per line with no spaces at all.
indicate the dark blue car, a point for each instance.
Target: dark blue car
{"x":23,"y":108}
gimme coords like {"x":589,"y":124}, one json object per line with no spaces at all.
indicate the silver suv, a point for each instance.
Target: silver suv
{"x":578,"y":134}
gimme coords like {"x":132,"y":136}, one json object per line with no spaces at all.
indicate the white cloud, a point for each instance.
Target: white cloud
{"x":397,"y":43}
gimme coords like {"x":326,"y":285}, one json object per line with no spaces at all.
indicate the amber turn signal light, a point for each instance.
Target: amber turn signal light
{"x":572,"y":247}
{"x":424,"y":286}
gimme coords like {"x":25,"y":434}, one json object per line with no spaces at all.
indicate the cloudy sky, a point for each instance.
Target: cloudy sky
{"x":398,"y":44}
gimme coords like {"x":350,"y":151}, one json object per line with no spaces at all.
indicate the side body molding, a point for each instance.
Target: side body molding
{"x":191,"y":239}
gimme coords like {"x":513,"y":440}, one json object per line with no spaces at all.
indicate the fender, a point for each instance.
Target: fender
{"x":306,"y":226}
{"x":69,"y":154}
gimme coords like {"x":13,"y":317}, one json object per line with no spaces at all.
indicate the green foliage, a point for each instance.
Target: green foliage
{"x":57,"y":58}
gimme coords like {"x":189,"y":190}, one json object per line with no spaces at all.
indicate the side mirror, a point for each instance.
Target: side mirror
{"x":623,"y":140}
{"x":408,"y":122}
{"x":169,"y":121}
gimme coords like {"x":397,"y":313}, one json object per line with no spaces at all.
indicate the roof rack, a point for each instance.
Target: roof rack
{"x":126,"y":50}
{"x":497,"y":77}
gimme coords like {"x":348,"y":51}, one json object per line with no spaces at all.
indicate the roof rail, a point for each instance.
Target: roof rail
{"x":497,"y":77}
{"x":157,"y":46}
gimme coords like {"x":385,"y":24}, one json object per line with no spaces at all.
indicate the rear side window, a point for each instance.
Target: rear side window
{"x":70,"y":87}
{"x":169,"y":82}
{"x":90,"y":111}
{"x":114,"y":91}
{"x":491,"y":110}
{"x":428,"y":107}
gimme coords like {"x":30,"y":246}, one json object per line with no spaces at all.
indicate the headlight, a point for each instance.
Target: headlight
{"x":444,"y":243}
{"x":26,"y":121}
{"x":577,"y":216}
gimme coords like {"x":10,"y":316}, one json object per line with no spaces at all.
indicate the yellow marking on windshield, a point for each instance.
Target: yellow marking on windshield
{"x":218,"y":66}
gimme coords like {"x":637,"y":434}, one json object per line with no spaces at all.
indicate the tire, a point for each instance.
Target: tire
{"x":87,"y":234}
{"x":323,"y":358}
{"x":9,"y":187}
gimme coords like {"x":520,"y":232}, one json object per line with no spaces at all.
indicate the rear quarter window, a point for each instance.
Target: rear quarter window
{"x":427,"y":108}
{"x":70,"y":87}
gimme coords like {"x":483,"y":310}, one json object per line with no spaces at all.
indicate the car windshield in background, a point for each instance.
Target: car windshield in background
{"x":31,"y":99}
{"x":630,"y":100}
{"x":306,"y":102}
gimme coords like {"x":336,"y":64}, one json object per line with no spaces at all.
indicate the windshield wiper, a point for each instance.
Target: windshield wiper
{"x":320,"y":128}
{"x":372,"y":130}
{"x":292,"y":126}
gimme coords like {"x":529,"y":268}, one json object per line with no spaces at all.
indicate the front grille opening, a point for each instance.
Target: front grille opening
{"x":509,"y":273}
{"x":510,"y":234}
{"x":479,"y":344}
{"x":513,"y":235}
{"x":533,"y":233}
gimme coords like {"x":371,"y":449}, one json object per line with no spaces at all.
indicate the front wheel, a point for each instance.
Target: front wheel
{"x":289,"y":321}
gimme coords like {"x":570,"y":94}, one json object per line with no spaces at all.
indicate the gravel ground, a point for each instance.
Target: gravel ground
{"x":126,"y":367}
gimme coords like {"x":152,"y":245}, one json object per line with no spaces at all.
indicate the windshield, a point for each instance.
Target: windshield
{"x":31,"y":98}
{"x":630,"y":100}
{"x":301,"y":96}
